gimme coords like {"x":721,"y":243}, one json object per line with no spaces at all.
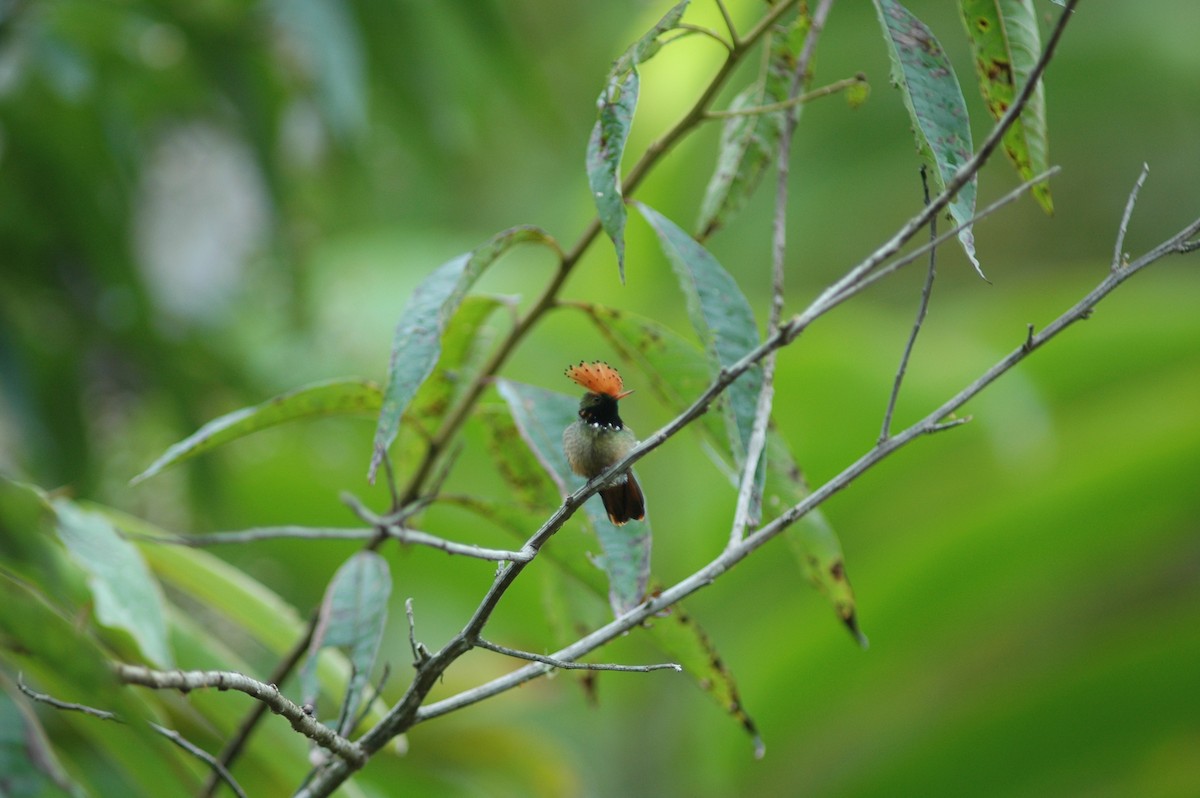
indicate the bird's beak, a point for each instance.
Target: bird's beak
{"x":623,"y":394}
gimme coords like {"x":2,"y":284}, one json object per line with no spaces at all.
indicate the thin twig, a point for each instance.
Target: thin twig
{"x":419,"y":651}
{"x":70,"y":706}
{"x":233,"y":748}
{"x":256,"y":535}
{"x":204,"y":756}
{"x":728,"y":20}
{"x":922,"y":309}
{"x":578,"y":666}
{"x":268,"y":694}
{"x":219,"y":770}
{"x":1119,"y":249}
{"x":783,"y":105}
{"x":892,"y":266}
{"x":703,"y":31}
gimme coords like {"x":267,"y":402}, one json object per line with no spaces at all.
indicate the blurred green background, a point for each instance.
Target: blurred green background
{"x":204,"y":204}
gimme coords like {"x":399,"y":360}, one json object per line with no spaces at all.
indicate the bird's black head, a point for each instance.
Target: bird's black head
{"x":599,"y":408}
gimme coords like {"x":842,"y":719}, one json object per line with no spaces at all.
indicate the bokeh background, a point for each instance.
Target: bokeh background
{"x":205,"y":204}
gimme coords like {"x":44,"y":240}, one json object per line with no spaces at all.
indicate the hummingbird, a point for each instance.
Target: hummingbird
{"x":598,"y":438}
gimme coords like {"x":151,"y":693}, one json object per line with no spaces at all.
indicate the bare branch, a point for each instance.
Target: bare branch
{"x":1119,"y":248}
{"x":580,"y":666}
{"x":217,"y":768}
{"x":728,"y":20}
{"x":419,"y":651}
{"x":922,"y":309}
{"x":802,"y":99}
{"x":70,"y":706}
{"x":268,"y":694}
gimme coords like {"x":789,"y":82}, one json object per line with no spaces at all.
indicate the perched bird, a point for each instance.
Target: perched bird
{"x":597,"y":439}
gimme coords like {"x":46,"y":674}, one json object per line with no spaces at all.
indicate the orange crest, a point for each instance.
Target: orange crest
{"x":598,"y":377}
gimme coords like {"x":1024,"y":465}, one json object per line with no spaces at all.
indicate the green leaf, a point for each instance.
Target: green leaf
{"x":811,"y":539}
{"x":29,"y":547}
{"x":418,"y":340}
{"x":682,"y":639}
{"x":614,"y":116}
{"x":126,"y":596}
{"x":541,"y":416}
{"x":1005,"y":40}
{"x":723,"y":320}
{"x":352,"y":617}
{"x":935,"y":104}
{"x":750,"y":142}
{"x":463,"y":347}
{"x":329,"y":398}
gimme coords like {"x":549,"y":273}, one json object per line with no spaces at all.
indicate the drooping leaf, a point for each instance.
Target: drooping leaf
{"x":1005,"y":40}
{"x":614,"y":116}
{"x":723,"y":320}
{"x":418,"y":340}
{"x":541,"y":416}
{"x":749,"y":143}
{"x":682,"y":639}
{"x":28,"y":545}
{"x":126,"y":596}
{"x":676,"y":372}
{"x":352,"y":617}
{"x":327,"y":398}
{"x":463,"y":347}
{"x":812,"y":539}
{"x":922,"y":72}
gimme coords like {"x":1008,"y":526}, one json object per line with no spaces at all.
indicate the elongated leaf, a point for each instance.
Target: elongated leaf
{"x":353,"y":617}
{"x":677,"y":371}
{"x":234,"y":598}
{"x":935,"y":104}
{"x":463,"y":347}
{"x":750,"y":142}
{"x":614,"y":116}
{"x":418,"y":340}
{"x":328,"y":398}
{"x":811,"y":539}
{"x":687,"y":643}
{"x":29,"y":547}
{"x":541,"y":416}
{"x":1005,"y":40}
{"x":722,"y":318}
{"x":126,"y":596}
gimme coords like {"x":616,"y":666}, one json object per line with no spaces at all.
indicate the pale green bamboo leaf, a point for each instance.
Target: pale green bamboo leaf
{"x":327,"y":398}
{"x":126,"y":596}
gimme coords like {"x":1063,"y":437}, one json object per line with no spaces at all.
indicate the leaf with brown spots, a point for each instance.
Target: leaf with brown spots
{"x":1004,"y":38}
